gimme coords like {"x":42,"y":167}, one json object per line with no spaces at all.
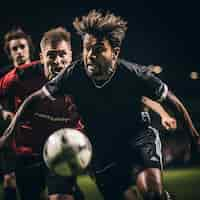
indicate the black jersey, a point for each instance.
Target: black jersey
{"x":111,"y":114}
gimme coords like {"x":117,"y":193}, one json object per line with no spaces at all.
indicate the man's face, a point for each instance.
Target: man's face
{"x":99,"y":57}
{"x":56,"y":57}
{"x":19,"y":51}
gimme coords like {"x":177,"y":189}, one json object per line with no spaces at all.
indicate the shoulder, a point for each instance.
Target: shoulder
{"x":31,"y":68}
{"x":75,"y":65}
{"x":73,"y":70}
{"x":36,"y":63}
{"x":134,"y":68}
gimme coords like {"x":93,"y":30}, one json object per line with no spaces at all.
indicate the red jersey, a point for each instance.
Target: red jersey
{"x":44,"y":117}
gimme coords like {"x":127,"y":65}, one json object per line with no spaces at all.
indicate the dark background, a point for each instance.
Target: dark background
{"x":159,"y":32}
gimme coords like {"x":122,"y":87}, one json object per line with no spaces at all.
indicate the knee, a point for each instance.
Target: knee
{"x":150,"y":185}
{"x":130,"y":194}
{"x":9,"y":181}
{"x":61,"y":197}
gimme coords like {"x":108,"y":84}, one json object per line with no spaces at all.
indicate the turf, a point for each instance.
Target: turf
{"x":183,"y":183}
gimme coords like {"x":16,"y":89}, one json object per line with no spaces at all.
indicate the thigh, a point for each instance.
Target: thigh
{"x":30,"y":177}
{"x":150,"y":180}
{"x":146,"y":151}
{"x":65,"y":186}
{"x":113,"y":181}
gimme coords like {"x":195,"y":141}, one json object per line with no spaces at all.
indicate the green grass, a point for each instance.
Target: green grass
{"x":183,"y":183}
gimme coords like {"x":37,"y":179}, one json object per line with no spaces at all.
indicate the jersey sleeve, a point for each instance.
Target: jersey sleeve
{"x":153,"y":87}
{"x":57,"y":86}
{"x":7,"y":81}
{"x":10,"y":80}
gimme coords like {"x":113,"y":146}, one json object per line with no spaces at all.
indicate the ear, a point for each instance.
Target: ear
{"x":116,"y":52}
{"x":41,"y":58}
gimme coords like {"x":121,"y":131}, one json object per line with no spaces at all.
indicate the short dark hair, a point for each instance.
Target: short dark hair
{"x":54,"y":36}
{"x":102,"y":25}
{"x":17,"y":33}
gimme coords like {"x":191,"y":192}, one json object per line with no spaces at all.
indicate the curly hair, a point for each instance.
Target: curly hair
{"x":102,"y":25}
{"x":54,"y":36}
{"x":17,"y":33}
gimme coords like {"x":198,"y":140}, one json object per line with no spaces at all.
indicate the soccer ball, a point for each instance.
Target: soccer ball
{"x":67,"y":152}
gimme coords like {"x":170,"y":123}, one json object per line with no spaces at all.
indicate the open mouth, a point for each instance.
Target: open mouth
{"x":56,"y":71}
{"x":91,"y":68}
{"x":20,"y":57}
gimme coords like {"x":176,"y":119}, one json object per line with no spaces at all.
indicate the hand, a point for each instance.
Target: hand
{"x":169,"y":123}
{"x":6,"y":115}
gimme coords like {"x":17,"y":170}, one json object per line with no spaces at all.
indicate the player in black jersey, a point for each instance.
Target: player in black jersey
{"x":108,"y":92}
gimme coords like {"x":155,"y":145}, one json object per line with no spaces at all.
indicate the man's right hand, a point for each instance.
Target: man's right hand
{"x":169,"y":123}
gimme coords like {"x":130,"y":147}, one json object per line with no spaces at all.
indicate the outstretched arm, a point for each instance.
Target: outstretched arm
{"x":167,"y":121}
{"x":174,"y":101}
{"x":28,"y":102}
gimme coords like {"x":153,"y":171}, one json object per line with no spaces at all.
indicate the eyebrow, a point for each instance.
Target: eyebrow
{"x":49,"y":52}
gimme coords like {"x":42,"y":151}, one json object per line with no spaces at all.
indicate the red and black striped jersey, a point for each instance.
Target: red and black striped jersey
{"x":43,"y":118}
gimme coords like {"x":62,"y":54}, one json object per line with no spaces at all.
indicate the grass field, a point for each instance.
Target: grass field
{"x":183,"y":183}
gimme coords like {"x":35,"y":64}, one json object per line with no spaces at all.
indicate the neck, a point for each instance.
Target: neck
{"x":17,"y":64}
{"x":110,"y":73}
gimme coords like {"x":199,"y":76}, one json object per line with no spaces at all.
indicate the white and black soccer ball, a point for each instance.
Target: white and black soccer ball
{"x":67,"y":152}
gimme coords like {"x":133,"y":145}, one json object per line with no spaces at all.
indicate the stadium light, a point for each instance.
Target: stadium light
{"x":194,"y":75}
{"x":157,"y":69}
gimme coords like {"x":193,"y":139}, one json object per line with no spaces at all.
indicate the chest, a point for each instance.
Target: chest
{"x":26,"y":87}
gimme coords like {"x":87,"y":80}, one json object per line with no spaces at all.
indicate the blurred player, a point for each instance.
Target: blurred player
{"x":19,"y":48}
{"x":31,"y":173}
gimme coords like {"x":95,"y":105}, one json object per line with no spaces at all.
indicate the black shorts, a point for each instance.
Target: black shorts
{"x":147,"y":150}
{"x":140,"y":153}
{"x":33,"y":177}
{"x":60,"y":184}
{"x":30,"y":175}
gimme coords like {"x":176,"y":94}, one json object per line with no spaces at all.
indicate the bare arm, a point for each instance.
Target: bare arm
{"x":167,"y":121}
{"x":28,"y":102}
{"x":172,"y":99}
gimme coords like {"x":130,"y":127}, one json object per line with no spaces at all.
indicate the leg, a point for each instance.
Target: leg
{"x":9,"y":187}
{"x":30,"y":178}
{"x":63,"y":188}
{"x":149,"y":183}
{"x":149,"y":165}
{"x":7,"y":158}
{"x":131,"y":194}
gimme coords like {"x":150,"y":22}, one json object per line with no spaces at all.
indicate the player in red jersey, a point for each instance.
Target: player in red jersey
{"x":42,"y":120}
{"x":19,"y":48}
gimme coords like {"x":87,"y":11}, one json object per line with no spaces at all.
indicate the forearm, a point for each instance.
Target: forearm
{"x":172,"y":99}
{"x":154,"y":106}
{"x":28,"y":102}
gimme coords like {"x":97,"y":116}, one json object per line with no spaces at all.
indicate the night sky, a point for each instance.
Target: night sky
{"x":159,"y":32}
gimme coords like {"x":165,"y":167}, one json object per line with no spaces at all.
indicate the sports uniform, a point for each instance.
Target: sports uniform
{"x":38,"y":123}
{"x":123,"y":140}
